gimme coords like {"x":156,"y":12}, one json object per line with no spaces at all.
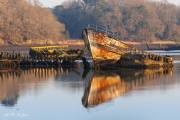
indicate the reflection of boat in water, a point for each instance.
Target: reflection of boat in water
{"x":108,"y":51}
{"x":104,"y":87}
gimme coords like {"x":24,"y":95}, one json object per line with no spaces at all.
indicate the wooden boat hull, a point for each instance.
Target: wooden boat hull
{"x":108,"y":52}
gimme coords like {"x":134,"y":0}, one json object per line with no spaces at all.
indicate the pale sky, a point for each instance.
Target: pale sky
{"x":52,"y":3}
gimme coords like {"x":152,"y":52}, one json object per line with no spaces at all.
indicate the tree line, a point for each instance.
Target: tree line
{"x":138,"y":20}
{"x":21,"y":20}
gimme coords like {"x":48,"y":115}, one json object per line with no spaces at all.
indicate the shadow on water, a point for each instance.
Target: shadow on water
{"x":105,"y":86}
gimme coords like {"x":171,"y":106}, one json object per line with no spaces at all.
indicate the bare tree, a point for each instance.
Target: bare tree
{"x":21,"y":21}
{"x":133,"y":19}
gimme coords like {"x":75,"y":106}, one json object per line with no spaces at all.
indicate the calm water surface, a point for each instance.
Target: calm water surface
{"x":75,"y":94}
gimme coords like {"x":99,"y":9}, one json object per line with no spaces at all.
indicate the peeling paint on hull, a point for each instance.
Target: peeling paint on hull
{"x":108,"y":52}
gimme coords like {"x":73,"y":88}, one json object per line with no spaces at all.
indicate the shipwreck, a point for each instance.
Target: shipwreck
{"x":107,"y":50}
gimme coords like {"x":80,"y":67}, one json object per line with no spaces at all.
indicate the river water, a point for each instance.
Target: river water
{"x":77,"y":94}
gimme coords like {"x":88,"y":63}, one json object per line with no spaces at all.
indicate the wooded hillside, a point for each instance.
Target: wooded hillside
{"x":21,"y":21}
{"x":138,"y":20}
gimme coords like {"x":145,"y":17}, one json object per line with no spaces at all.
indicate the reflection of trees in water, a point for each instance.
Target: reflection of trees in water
{"x":73,"y":79}
{"x":10,"y":100}
{"x":105,"y":86}
{"x":100,"y":87}
{"x":14,"y":82}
